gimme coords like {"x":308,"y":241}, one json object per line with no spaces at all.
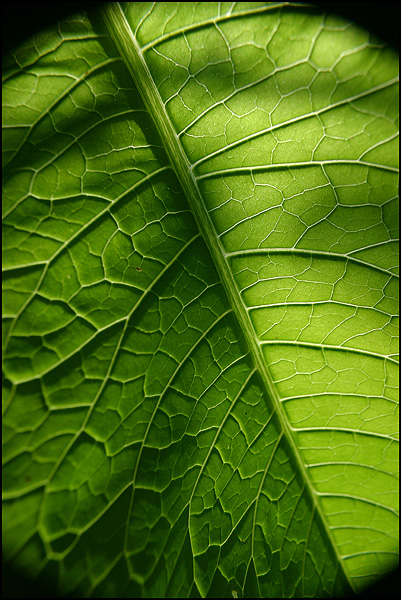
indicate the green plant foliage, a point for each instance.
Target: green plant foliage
{"x":200,"y":227}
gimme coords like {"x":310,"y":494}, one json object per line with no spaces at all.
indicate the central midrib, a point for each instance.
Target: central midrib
{"x":130,"y":51}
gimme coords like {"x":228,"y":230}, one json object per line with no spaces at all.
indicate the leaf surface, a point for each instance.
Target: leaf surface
{"x":200,"y":226}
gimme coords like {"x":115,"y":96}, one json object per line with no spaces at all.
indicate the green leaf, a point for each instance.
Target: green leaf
{"x":200,"y":220}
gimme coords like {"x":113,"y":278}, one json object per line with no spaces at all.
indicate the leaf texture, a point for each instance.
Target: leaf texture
{"x":200,"y":220}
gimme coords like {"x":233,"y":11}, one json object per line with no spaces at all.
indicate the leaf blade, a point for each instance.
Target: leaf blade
{"x":159,"y":353}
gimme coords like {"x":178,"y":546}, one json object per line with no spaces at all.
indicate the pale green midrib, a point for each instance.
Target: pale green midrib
{"x":127,"y":45}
